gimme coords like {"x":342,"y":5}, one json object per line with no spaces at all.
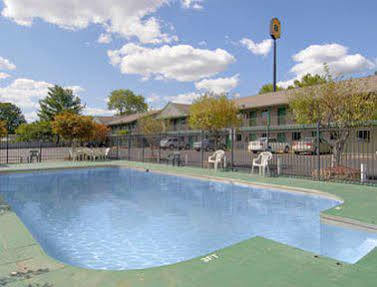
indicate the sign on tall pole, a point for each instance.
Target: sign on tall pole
{"x":275,"y":32}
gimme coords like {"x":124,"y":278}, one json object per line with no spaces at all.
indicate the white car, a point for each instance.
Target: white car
{"x":258,"y":145}
{"x":273,"y":146}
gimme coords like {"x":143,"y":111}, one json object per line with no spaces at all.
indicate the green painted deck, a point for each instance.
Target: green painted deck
{"x":254,"y":262}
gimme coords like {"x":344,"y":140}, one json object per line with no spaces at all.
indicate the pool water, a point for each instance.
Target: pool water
{"x":116,"y":218}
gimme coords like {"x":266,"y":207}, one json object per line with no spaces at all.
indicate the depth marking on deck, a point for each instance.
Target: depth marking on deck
{"x":209,"y":258}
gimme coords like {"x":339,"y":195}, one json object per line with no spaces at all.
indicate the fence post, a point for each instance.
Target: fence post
{"x":363,"y":173}
{"x":201,"y":149}
{"x":279,"y":165}
{"x":117,"y":141}
{"x":318,"y":153}
{"x":232,"y":148}
{"x":142,"y":144}
{"x":129,"y":147}
{"x":40,"y":151}
{"x":7,"y":148}
{"x":159,"y":148}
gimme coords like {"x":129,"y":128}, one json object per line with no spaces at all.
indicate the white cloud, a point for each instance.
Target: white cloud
{"x":186,"y":98}
{"x":97,"y":112}
{"x":311,"y":60}
{"x":4,"y":76}
{"x":202,"y":43}
{"x":104,"y":38}
{"x":219,"y":85}
{"x":128,"y":18}
{"x":5,"y":64}
{"x":26,"y":93}
{"x":193,"y":4}
{"x":262,"y":48}
{"x":182,"y":62}
{"x":75,"y":89}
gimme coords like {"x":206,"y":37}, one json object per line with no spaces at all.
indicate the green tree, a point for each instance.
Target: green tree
{"x":37,"y":131}
{"x":57,"y":101}
{"x":338,"y":106}
{"x":269,"y":88}
{"x":309,"y":80}
{"x":125,"y":102}
{"x":12,"y":115}
{"x":213,"y":113}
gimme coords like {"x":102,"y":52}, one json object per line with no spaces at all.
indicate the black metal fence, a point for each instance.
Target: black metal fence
{"x":299,"y":151}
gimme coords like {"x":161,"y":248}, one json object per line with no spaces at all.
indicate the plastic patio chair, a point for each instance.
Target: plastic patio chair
{"x":262,"y":162}
{"x":217,"y":158}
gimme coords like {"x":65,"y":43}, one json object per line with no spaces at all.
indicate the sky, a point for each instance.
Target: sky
{"x":175,"y":50}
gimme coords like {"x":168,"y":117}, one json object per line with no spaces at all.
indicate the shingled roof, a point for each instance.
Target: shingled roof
{"x":174,"y":110}
{"x":121,"y":120}
{"x":105,"y":120}
{"x":367,"y":84}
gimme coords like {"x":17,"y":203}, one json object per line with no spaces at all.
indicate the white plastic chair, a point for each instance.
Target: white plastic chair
{"x":262,"y":163}
{"x":216,"y":158}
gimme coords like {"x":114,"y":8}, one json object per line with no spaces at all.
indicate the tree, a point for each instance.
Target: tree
{"x":125,"y":102}
{"x":269,"y":88}
{"x":37,"y":131}
{"x":73,"y":127}
{"x":59,"y":100}
{"x":12,"y":115}
{"x":150,"y":127}
{"x":3,"y":129}
{"x":338,"y":106}
{"x":213,"y":113}
{"x":100,"y":132}
{"x":309,"y":80}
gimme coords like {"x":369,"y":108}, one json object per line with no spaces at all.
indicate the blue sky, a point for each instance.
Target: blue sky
{"x":174,"y":50}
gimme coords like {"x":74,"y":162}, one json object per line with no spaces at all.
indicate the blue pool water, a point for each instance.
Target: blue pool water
{"x":114,"y":218}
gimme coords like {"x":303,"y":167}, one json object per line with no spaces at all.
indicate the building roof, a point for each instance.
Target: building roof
{"x":367,"y":84}
{"x":121,"y":120}
{"x":174,"y":110}
{"x":104,"y":119}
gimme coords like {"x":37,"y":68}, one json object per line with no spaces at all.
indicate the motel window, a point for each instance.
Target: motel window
{"x":363,"y":136}
{"x":296,"y":136}
{"x":252,"y":137}
{"x":281,"y":138}
{"x":253,"y":118}
{"x":265,"y":116}
{"x":282,"y":112}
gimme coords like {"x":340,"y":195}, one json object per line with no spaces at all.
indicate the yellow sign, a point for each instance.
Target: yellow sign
{"x":275,"y":28}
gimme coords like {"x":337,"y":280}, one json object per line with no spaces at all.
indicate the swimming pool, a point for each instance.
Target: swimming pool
{"x":117,"y":218}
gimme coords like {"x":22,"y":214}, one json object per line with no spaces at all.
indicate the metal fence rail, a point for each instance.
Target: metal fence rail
{"x":357,"y":162}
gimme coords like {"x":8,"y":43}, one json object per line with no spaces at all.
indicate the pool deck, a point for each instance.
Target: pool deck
{"x":254,"y":262}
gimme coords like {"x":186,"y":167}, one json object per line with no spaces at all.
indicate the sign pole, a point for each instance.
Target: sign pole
{"x":275,"y":32}
{"x":275,"y":65}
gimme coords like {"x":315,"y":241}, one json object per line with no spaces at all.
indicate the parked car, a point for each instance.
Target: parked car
{"x":278,"y":147}
{"x":174,"y":143}
{"x":309,"y":146}
{"x":208,"y":145}
{"x":273,"y":145}
{"x":258,"y":146}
